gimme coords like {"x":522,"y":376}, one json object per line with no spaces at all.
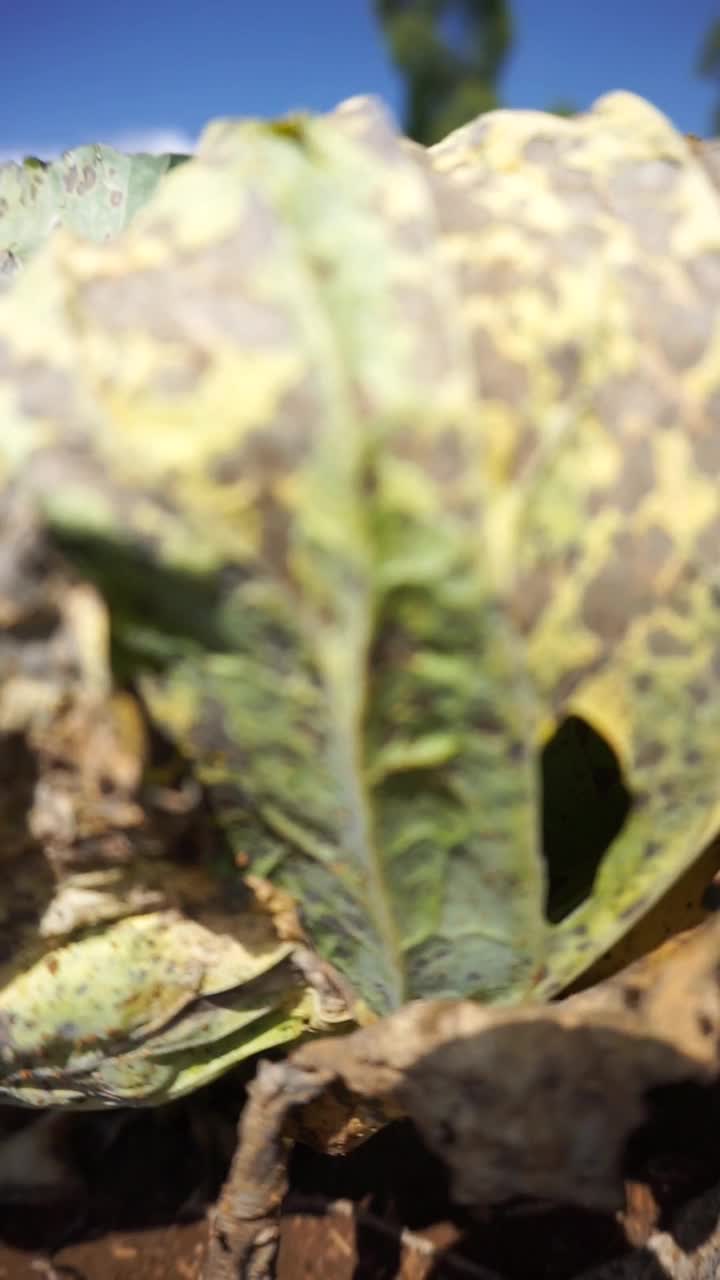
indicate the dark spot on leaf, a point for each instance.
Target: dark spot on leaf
{"x":645,"y":180}
{"x":663,"y":644}
{"x":46,"y":391}
{"x":167,"y":302}
{"x":532,"y":595}
{"x":624,"y":589}
{"x":419,"y":317}
{"x":456,"y":211}
{"x":693,"y":756}
{"x":649,"y":753}
{"x":446,"y":459}
{"x":704,"y":1025}
{"x":501,"y":378}
{"x":276,"y":450}
{"x":632,"y":193}
{"x":643,"y":682}
{"x":181,"y":378}
{"x":637,"y":477}
{"x":708,"y":542}
{"x":706,"y":451}
{"x":712,"y":409}
{"x":527,"y":441}
{"x":500,"y":275}
{"x":116,"y":199}
{"x":635,"y":482}
{"x":565,"y":360}
{"x":87,"y":181}
{"x":369,"y":479}
{"x":542,"y":149}
{"x":585,"y":804}
{"x":682,"y":333}
{"x":679,"y":603}
{"x":633,"y":998}
{"x":652,"y":849}
{"x":485,"y":721}
{"x":580,"y":242}
{"x":698,"y":691}
{"x":704,"y":269}
{"x":633,"y":399}
{"x":580,"y":197}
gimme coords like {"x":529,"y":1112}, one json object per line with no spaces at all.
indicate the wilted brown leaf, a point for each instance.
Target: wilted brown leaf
{"x":534,"y":1101}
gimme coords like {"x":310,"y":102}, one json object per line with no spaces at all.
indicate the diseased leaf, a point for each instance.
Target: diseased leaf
{"x":123,"y":1037}
{"x":272,"y":675}
{"x":136,"y":962}
{"x":390,"y":464}
{"x":94,"y":191}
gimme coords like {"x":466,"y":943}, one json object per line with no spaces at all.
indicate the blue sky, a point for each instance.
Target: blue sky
{"x":153,"y":71}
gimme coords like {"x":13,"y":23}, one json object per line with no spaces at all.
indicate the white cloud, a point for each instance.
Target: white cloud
{"x":153,"y":140}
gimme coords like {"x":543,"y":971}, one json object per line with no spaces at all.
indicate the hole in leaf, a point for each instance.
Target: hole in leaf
{"x":584,"y":806}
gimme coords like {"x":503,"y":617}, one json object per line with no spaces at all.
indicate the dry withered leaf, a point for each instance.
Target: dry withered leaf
{"x":691,"y":1251}
{"x":534,"y":1101}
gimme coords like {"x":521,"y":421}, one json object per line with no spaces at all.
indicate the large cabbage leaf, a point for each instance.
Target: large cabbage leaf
{"x":383,"y":460}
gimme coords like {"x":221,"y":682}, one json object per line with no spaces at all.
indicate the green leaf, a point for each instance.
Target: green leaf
{"x":94,"y":191}
{"x":383,"y":436}
{"x":146,"y":1009}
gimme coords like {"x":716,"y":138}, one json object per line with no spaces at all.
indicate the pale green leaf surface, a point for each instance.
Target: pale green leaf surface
{"x":94,"y":191}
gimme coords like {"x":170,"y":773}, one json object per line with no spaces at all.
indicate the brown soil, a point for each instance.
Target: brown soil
{"x":382,"y":1213}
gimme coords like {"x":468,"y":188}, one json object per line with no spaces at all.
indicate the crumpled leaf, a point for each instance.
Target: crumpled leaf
{"x":136,"y":962}
{"x":132,"y":973}
{"x":534,"y":1101}
{"x":95,"y":191}
{"x":147,"y":1009}
{"x":538,"y":1101}
{"x":387,"y":463}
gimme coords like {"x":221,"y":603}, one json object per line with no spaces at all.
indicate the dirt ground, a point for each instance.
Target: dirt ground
{"x":381,"y":1213}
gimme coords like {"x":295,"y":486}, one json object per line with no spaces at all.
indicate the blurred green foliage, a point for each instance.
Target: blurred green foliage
{"x":451,"y":54}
